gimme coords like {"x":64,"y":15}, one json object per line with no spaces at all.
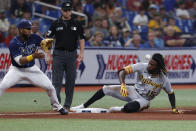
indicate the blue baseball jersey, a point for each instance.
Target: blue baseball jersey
{"x":17,"y":47}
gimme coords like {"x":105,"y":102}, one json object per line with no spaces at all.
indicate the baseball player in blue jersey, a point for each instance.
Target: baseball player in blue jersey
{"x":23,"y":51}
{"x":151,"y":78}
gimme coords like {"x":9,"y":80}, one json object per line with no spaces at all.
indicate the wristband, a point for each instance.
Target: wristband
{"x":29,"y":58}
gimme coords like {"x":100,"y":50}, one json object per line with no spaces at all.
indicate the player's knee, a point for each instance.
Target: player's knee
{"x":132,"y":106}
{"x":106,"y":89}
{"x":49,"y":87}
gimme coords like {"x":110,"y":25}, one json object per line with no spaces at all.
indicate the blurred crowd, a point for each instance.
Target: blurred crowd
{"x":112,"y":23}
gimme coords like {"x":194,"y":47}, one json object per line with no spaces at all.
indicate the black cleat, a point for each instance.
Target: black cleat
{"x":63,"y":111}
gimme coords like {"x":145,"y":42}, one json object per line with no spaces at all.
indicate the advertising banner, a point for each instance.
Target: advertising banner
{"x":100,"y":66}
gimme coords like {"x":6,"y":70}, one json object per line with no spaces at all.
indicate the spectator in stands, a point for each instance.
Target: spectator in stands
{"x":125,"y":36}
{"x":141,"y":19}
{"x":189,"y":4}
{"x":87,"y":37}
{"x":105,"y":27}
{"x":26,"y":15}
{"x":165,"y":15}
{"x":35,"y":28}
{"x":97,"y":26}
{"x":192,"y":11}
{"x":4,"y":23}
{"x":97,"y":39}
{"x":12,"y":32}
{"x":110,"y":8}
{"x":135,"y":42}
{"x":158,"y":40}
{"x":135,"y":32}
{"x":134,"y":4}
{"x":156,"y":22}
{"x":182,"y":12}
{"x":172,"y":23}
{"x":99,"y":12}
{"x":151,"y":41}
{"x":117,"y":19}
{"x":2,"y":37}
{"x":172,"y":40}
{"x":89,"y":8}
{"x":18,"y":8}
{"x":114,"y":39}
{"x":151,"y":12}
{"x":5,"y":4}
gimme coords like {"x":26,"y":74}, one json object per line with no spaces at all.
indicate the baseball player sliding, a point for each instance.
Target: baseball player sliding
{"x":23,"y":52}
{"x":152,"y":77}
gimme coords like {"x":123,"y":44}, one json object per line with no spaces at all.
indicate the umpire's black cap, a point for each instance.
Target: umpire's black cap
{"x":67,"y":5}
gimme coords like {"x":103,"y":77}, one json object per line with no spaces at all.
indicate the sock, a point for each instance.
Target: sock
{"x":98,"y":95}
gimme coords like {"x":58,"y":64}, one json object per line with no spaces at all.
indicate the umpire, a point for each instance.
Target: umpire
{"x":67,"y":33}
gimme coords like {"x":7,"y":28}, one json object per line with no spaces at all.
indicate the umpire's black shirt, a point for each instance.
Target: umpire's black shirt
{"x":67,"y":33}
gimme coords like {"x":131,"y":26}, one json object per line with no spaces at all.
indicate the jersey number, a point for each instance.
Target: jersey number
{"x":151,"y":93}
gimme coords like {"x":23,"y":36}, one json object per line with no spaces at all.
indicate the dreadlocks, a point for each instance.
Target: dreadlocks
{"x":160,"y":62}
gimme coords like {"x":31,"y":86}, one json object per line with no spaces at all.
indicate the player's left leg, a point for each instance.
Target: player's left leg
{"x":98,"y":95}
{"x":38,"y":78}
{"x":132,"y":106}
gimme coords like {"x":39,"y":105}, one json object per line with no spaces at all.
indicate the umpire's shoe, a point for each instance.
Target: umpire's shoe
{"x":63,"y":111}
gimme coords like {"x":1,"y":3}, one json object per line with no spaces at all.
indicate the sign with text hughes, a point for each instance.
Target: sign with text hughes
{"x":100,"y":66}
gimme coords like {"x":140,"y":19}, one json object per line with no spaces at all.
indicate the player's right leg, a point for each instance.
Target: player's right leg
{"x":10,"y":79}
{"x":38,"y":78}
{"x":98,"y":95}
{"x":110,"y":90}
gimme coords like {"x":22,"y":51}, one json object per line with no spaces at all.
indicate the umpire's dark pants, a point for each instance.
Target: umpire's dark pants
{"x":64,"y":61}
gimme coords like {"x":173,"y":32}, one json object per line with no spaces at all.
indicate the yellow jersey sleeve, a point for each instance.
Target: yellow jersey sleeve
{"x":128,"y":69}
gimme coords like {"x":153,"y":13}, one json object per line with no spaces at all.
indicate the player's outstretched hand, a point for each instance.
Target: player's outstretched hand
{"x":176,"y":111}
{"x":123,"y":90}
{"x":38,"y":55}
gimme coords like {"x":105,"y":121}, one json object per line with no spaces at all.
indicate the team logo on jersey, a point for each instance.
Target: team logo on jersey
{"x":59,"y":28}
{"x":150,"y":82}
{"x":27,"y":50}
{"x":114,"y":63}
{"x":73,"y":28}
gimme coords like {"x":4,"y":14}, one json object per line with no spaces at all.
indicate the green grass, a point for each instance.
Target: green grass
{"x":23,"y":102}
{"x":93,"y":125}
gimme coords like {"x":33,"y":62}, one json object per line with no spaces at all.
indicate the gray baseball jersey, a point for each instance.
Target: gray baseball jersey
{"x":148,"y":86}
{"x":144,"y":90}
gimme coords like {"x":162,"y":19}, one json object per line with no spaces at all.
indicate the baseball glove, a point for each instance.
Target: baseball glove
{"x":123,"y":90}
{"x":46,"y":44}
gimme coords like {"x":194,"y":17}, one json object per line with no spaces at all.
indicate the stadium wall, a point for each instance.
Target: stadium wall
{"x":101,"y":64}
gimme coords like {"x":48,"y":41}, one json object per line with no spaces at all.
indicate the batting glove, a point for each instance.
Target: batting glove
{"x":176,"y":111}
{"x":123,"y":90}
